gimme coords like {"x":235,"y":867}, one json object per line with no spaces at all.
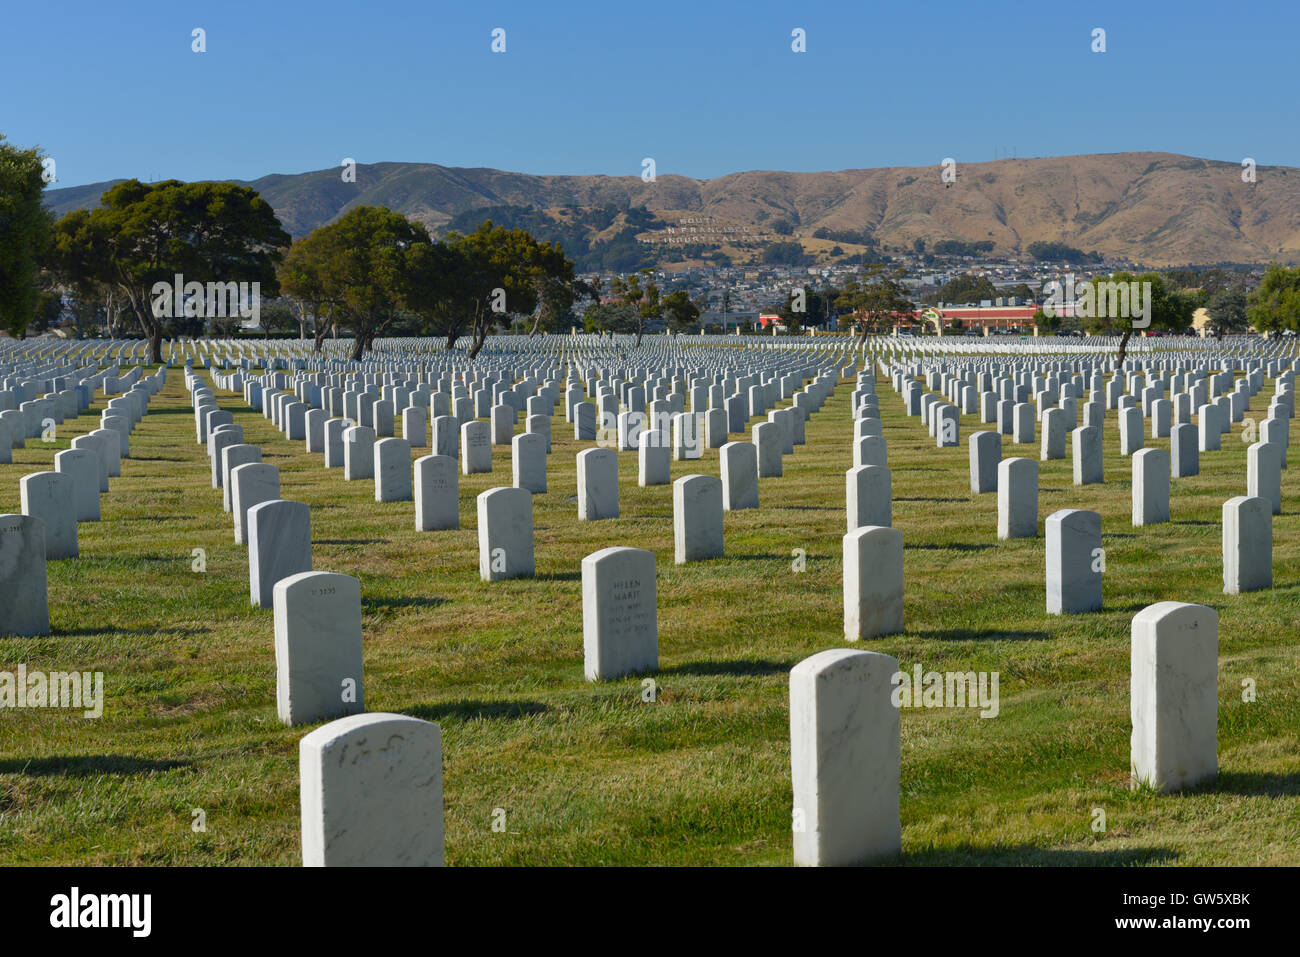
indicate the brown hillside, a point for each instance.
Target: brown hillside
{"x":1157,"y":208}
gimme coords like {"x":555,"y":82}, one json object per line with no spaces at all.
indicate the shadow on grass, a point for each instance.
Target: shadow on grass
{"x":91,"y":765}
{"x":418,"y":601}
{"x":350,"y":541}
{"x":738,"y":667}
{"x":1194,"y":521}
{"x":1260,"y":784}
{"x":153,"y":458}
{"x":467,"y":710}
{"x":954,"y":547}
{"x":1133,"y":606}
{"x":970,"y":634}
{"x":932,"y":499}
{"x":1026,"y":855}
{"x":559,"y":576}
{"x":128,"y":559}
{"x":110,"y":630}
{"x":154,"y":519}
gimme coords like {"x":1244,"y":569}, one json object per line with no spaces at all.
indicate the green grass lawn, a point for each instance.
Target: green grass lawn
{"x":589,"y":773}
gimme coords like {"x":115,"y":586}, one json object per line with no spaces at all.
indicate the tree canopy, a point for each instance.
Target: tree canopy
{"x":1170,"y":309}
{"x":965,"y":289}
{"x":146,"y":234}
{"x":1274,"y":304}
{"x":359,"y":268}
{"x":877,"y":301}
{"x":24,"y":235}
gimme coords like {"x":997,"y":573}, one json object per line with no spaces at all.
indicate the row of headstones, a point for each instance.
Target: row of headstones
{"x":493,"y":388}
{"x":869,"y":482}
{"x":371,"y":784}
{"x":1017,"y":420}
{"x":277,"y":533}
{"x":395,"y":353}
{"x":1015,"y":416}
{"x":38,"y":417}
{"x":706,"y":358}
{"x":317,"y":614}
{"x":1211,"y":374}
{"x":1001,"y":362}
{"x":1074,"y":571}
{"x":1152,"y":468}
{"x":641,"y":369}
{"x":872,"y":548}
{"x":505,"y":402}
{"x":52,"y":505}
{"x":1247,"y":549}
{"x":434,"y":489}
{"x":846,"y":747}
{"x":1073,"y":535}
{"x":278,"y":538}
{"x":20,"y":382}
{"x":383,"y":806}
{"x":873,"y":562}
{"x":1076,"y":561}
{"x":367,"y":406}
{"x":505,"y":517}
{"x":1103,"y":349}
{"x":505,"y":514}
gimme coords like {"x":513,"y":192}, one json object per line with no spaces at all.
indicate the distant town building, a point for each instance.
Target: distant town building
{"x":979,"y":317}
{"x":728,"y":320}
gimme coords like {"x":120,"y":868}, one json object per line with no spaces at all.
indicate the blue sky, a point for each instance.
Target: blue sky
{"x":114,"y":90}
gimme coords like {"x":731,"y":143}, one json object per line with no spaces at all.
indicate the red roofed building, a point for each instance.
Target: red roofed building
{"x":976,"y":317}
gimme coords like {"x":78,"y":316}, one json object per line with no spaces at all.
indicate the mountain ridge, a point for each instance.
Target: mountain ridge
{"x":1155,"y":208}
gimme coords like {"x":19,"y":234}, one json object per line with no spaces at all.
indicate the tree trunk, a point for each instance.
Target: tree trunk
{"x":150,"y":326}
{"x":480,"y":337}
{"x":453,"y":333}
{"x":112,"y":311}
{"x":358,"y":347}
{"x":1123,"y":348}
{"x":640,"y":331}
{"x":479,"y":331}
{"x":321,"y":330}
